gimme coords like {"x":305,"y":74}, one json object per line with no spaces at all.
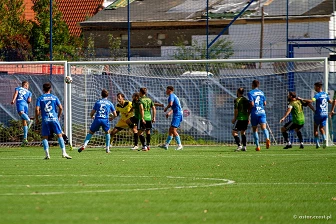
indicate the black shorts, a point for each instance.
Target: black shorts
{"x":134,"y":120}
{"x":147,"y":126}
{"x":291,"y":126}
{"x":241,"y":125}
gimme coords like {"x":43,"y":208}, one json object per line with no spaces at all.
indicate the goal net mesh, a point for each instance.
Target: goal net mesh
{"x":206,"y":90}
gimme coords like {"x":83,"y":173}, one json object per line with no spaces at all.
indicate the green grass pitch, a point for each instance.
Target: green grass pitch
{"x":196,"y":185}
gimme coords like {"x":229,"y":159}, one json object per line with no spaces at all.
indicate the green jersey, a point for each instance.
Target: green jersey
{"x":147,"y":104}
{"x":136,"y":109}
{"x":242,"y":105}
{"x":297,"y":112}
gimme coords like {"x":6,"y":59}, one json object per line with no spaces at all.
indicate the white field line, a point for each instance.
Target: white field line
{"x":220,"y":182}
{"x":236,"y":155}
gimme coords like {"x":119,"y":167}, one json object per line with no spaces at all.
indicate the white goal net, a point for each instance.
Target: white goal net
{"x":206,"y":89}
{"x":12,"y":74}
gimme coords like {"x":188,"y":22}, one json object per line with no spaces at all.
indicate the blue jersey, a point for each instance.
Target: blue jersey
{"x":322,"y":100}
{"x":48,"y":104}
{"x":258,"y":98}
{"x":23,"y":96}
{"x":176,"y":107}
{"x":103,"y":108}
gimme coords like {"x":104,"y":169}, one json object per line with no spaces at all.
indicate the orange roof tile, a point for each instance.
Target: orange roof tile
{"x":29,"y":13}
{"x":73,"y":11}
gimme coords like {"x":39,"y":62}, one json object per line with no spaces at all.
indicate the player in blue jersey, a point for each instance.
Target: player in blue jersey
{"x":258,"y":115}
{"x":50,"y":109}
{"x":100,"y":113}
{"x":176,"y":110}
{"x":22,"y":96}
{"x":321,"y":113}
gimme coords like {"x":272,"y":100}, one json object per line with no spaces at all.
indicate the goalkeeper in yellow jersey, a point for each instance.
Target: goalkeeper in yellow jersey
{"x":124,"y":109}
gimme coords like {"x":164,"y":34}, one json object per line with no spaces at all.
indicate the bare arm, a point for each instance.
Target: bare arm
{"x":311,"y":107}
{"x":37,"y":113}
{"x":170,"y":104}
{"x":169,"y":113}
{"x":142,"y":113}
{"x":92,"y":113}
{"x":14,"y":96}
{"x":286,"y":114}
{"x":60,"y":110}
{"x":333,"y":107}
{"x":153,"y":114}
{"x":158,"y":104}
{"x":235,"y":114}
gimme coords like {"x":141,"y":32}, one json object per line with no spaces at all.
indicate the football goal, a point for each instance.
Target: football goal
{"x":206,"y":89}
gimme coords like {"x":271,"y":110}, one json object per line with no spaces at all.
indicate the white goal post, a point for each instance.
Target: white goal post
{"x":206,"y":89}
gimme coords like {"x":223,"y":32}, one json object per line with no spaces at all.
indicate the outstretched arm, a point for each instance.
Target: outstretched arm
{"x":14,"y":96}
{"x":286,"y":114}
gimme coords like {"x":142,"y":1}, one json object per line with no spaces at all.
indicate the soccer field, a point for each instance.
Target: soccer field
{"x":195,"y":185}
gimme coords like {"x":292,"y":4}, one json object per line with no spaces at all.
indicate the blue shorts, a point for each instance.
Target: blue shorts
{"x":176,"y":121}
{"x":258,"y":119}
{"x":97,"y":123}
{"x":51,"y":127}
{"x":22,"y":107}
{"x":321,"y":121}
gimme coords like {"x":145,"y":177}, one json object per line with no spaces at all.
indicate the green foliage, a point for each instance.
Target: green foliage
{"x":65,"y":46}
{"x":14,"y":31}
{"x":91,"y":53}
{"x":14,"y":132}
{"x":221,"y":49}
{"x":114,"y":47}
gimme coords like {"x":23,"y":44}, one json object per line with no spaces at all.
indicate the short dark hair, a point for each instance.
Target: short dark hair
{"x":255,"y":83}
{"x":292,"y":94}
{"x":143,"y":90}
{"x":46,"y":86}
{"x":136,"y":95}
{"x":104,"y":93}
{"x":241,"y":91}
{"x":24,"y":83}
{"x":318,"y":84}
{"x":122,"y":95}
{"x":170,"y":88}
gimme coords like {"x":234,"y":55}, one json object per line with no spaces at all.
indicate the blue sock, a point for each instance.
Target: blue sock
{"x":45,"y":144}
{"x":169,"y":138}
{"x":25,"y":132}
{"x":107,"y":140}
{"x":316,"y":140}
{"x":87,"y":139}
{"x":178,"y":140}
{"x":256,"y":138}
{"x":266,"y":133}
{"x":324,"y":137}
{"x":25,"y":117}
{"x":61,"y":143}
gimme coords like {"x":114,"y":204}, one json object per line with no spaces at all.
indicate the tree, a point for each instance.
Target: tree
{"x":14,"y":31}
{"x":65,"y":46}
{"x":219,"y":50}
{"x":115,"y":47}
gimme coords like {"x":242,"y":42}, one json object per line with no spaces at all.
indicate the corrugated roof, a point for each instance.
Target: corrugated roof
{"x":177,"y":10}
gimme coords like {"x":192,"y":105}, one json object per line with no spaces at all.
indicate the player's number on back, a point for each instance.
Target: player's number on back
{"x":323,"y":105}
{"x":257,"y":100}
{"x":102,"y":111}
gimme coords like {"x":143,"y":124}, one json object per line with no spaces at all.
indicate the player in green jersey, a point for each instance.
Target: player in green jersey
{"x":240,"y":119}
{"x":147,"y":117}
{"x":295,"y":108}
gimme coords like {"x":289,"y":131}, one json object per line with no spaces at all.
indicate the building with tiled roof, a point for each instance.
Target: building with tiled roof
{"x":73,"y":11}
